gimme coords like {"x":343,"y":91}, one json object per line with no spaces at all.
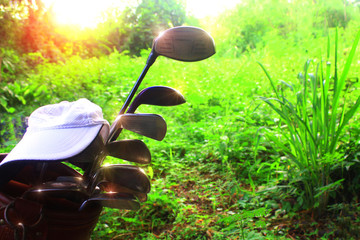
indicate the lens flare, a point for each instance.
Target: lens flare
{"x":84,"y":13}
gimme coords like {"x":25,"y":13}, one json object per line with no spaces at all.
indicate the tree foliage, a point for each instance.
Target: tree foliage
{"x":147,"y":20}
{"x":28,"y":27}
{"x":239,"y":31}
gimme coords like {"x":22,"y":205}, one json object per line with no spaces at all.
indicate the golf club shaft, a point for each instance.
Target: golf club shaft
{"x":134,"y":89}
{"x":114,"y":131}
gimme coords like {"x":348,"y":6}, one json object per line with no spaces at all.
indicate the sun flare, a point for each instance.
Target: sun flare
{"x":84,"y":13}
{"x":88,"y":13}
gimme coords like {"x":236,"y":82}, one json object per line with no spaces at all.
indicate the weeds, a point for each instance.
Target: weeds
{"x":312,"y":123}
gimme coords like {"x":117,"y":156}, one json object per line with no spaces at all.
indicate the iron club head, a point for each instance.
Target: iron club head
{"x":148,"y":125}
{"x":113,"y":200}
{"x":71,"y":191}
{"x":113,"y":187}
{"x":157,"y":95}
{"x":128,"y":176}
{"x":132,"y":150}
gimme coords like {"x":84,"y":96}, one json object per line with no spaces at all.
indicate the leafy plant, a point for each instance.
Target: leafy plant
{"x":17,"y":94}
{"x":9,"y":60}
{"x":312,"y":123}
{"x":16,"y":102}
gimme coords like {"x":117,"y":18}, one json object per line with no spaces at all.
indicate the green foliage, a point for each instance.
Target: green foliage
{"x":10,"y":23}
{"x":31,"y":28}
{"x":253,"y":24}
{"x":15,"y":95}
{"x":312,"y":123}
{"x":334,"y":13}
{"x":241,"y":224}
{"x":145,"y":22}
{"x":9,"y":62}
{"x":16,"y":102}
{"x":159,"y":213}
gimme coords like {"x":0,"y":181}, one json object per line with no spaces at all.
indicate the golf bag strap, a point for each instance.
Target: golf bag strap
{"x":21,"y":219}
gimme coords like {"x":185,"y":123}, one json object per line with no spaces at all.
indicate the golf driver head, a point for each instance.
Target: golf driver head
{"x":131,"y":150}
{"x":157,"y":95}
{"x":128,"y":176}
{"x":184,"y":43}
{"x":112,"y":200}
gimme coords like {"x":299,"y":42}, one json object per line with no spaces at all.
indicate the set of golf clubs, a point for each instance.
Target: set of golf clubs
{"x":125,"y":186}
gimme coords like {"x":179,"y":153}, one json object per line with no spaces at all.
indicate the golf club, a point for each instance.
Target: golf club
{"x":180,"y":43}
{"x":128,"y":176}
{"x":148,"y":125}
{"x":131,"y":150}
{"x":68,"y":190}
{"x":158,"y":96}
{"x":113,"y":200}
{"x":113,"y":187}
{"x":135,"y":150}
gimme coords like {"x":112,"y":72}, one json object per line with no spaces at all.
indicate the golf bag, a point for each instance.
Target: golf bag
{"x":41,"y":199}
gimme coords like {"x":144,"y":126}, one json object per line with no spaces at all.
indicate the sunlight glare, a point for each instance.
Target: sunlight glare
{"x":88,"y":13}
{"x":84,"y":13}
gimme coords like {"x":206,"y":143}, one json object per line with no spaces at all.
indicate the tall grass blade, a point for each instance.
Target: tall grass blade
{"x":311,"y":142}
{"x":346,"y":70}
{"x":270,"y":79}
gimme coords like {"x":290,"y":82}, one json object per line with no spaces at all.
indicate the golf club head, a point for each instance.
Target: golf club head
{"x":113,"y":200}
{"x":148,"y":125}
{"x":132,"y":150}
{"x":66,"y":190}
{"x":157,"y":95}
{"x":128,"y":176}
{"x":71,"y":179}
{"x":184,"y":43}
{"x":113,"y":187}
